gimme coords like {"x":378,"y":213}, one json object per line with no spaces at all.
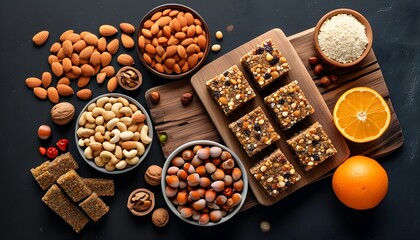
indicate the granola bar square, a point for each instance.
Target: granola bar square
{"x":289,"y":105}
{"x":94,"y":207}
{"x":101,"y":186}
{"x":74,"y":186}
{"x":254,"y":131}
{"x":312,"y":146}
{"x":230,"y":90}
{"x":265,"y":63}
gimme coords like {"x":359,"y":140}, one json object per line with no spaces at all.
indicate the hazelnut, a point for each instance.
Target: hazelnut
{"x":325,"y":81}
{"x":313,"y":60}
{"x":318,"y":69}
{"x":186,"y":98}
{"x":153,"y":175}
{"x":154,"y":97}
{"x":160,"y":217}
{"x":333,"y":78}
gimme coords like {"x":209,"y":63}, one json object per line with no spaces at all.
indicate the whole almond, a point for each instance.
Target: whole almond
{"x":83,"y":81}
{"x":63,"y":81}
{"x":64,"y":90}
{"x":198,"y":30}
{"x":52,"y":94}
{"x":166,"y":31}
{"x":109,"y":70}
{"x":154,"y":29}
{"x":84,"y":94}
{"x":55,"y":47}
{"x":76,"y":70}
{"x":176,"y":25}
{"x":181,"y":51}
{"x":141,"y":42}
{"x":185,"y":67}
{"x":146,"y":32}
{"x":156,"y":16}
{"x":127,"y":28}
{"x":67,"y":48}
{"x":40,"y":93}
{"x":170,"y":62}
{"x":202,"y":42}
{"x":148,"y":24}
{"x":87,"y":70}
{"x":84,"y":34}
{"x":189,"y":17}
{"x":147,"y":58}
{"x":64,"y":35}
{"x":61,"y":54}
{"x":191,"y":49}
{"x":192,"y":60}
{"x":159,"y":68}
{"x":40,"y":38}
{"x":91,"y":39}
{"x":101,"y":44}
{"x":163,"y":21}
{"x":183,"y":21}
{"x":127,"y":41}
{"x":107,"y":30}
{"x":52,"y":58}
{"x":95,"y":58}
{"x":162,"y":41}
{"x":171,"y":50}
{"x":125,"y":59}
{"x":70,"y":75}
{"x":177,"y":69}
{"x":66,"y":62}
{"x":79,"y":46}
{"x":57,"y":69}
{"x":73,"y":37}
{"x":187,"y":42}
{"x":112,"y":84}
{"x":33,"y":82}
{"x":106,"y":59}
{"x":86,"y":53}
{"x":113,"y":46}
{"x":191,"y":31}
{"x":100,"y":78}
{"x":96,"y":69}
{"x":46,"y":79}
{"x":150,"y":49}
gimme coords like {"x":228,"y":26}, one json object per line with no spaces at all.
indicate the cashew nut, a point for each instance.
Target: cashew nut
{"x":98,"y":111}
{"x":89,"y":117}
{"x":108,"y":115}
{"x":90,"y":125}
{"x":111,"y":123}
{"x":116,"y":107}
{"x":126,"y":135}
{"x":123,"y":101}
{"x":121,"y":165}
{"x":112,"y":100}
{"x":140,"y":148}
{"x":136,"y":136}
{"x":95,"y":146}
{"x":85,"y":132}
{"x":121,"y":126}
{"x":132,"y":128}
{"x":133,"y":161}
{"x":126,"y":120}
{"x":98,"y":162}
{"x":102,"y":101}
{"x":143,"y":135}
{"x":126,"y":111}
{"x":107,"y":156}
{"x":81,"y":142}
{"x":130,"y":154}
{"x":88,"y":153}
{"x":100,"y":129}
{"x":82,"y":119}
{"x":108,"y":106}
{"x":108,"y":146}
{"x":116,"y":136}
{"x":118,"y":152}
{"x":110,"y":167}
{"x":91,"y":107}
{"x":133,"y":107}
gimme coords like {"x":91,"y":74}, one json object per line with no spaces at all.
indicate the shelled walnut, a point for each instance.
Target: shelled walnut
{"x":129,"y":78}
{"x":141,"y":202}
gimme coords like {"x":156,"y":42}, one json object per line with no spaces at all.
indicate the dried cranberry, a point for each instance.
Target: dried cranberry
{"x":52,"y":152}
{"x":267,"y":76}
{"x":316,"y":157}
{"x":62,"y":144}
{"x":257,"y":127}
{"x":268,"y":48}
{"x":274,"y":61}
{"x":42,"y":151}
{"x":259,"y":50}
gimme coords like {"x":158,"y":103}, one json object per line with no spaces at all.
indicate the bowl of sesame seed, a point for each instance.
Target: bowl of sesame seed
{"x":343,"y":37}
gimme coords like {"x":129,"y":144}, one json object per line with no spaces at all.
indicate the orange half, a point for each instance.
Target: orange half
{"x":361,"y":115}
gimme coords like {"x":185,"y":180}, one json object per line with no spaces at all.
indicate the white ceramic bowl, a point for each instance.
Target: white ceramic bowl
{"x":147,"y":148}
{"x":204,"y":143}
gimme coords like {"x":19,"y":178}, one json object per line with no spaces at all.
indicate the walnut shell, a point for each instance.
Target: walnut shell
{"x":153,"y":175}
{"x":62,"y":113}
{"x":160,"y":217}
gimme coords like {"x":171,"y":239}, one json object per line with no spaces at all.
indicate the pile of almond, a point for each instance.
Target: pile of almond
{"x":81,"y":57}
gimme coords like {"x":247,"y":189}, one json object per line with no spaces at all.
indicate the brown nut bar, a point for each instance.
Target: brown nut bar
{"x":101,"y":186}
{"x":289,"y":105}
{"x":94,"y":207}
{"x":312,"y":146}
{"x":275,"y":173}
{"x":55,"y":199}
{"x":230,"y":90}
{"x":40,"y":169}
{"x":265,"y":63}
{"x":62,"y":164}
{"x":44,"y":178}
{"x":74,"y":186}
{"x":254,"y":131}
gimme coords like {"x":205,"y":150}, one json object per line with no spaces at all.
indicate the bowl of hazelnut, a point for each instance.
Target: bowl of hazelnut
{"x":173,"y":41}
{"x":204,"y":183}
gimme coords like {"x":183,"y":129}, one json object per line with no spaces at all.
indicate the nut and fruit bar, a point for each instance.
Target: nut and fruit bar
{"x":62,"y":164}
{"x":45,"y":180}
{"x":254,"y":131}
{"x":101,"y":186}
{"x":289,"y":105}
{"x":275,"y":173}
{"x":74,"y":186}
{"x":265,"y":63}
{"x":55,"y":199}
{"x":312,"y":146}
{"x":40,"y":169}
{"x":230,"y":90}
{"x":94,"y":207}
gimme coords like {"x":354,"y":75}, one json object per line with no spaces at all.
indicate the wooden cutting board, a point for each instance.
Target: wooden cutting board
{"x":184,"y":124}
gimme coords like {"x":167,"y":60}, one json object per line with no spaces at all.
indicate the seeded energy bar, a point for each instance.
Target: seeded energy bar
{"x":74,"y":186}
{"x":94,"y":207}
{"x":55,"y":199}
{"x":289,"y":105}
{"x":254,"y":131}
{"x":312,"y":146}
{"x":101,"y":186}
{"x":265,"y":63}
{"x":230,"y":90}
{"x":275,"y":173}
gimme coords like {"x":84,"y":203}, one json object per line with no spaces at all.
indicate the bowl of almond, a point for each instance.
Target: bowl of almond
{"x":173,"y":41}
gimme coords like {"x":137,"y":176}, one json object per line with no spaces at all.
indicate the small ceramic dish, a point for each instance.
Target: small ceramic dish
{"x":148,"y":195}
{"x":224,"y":207}
{"x":361,"y":19}
{"x":81,"y":141}
{"x":129,"y":78}
{"x":172,"y":11}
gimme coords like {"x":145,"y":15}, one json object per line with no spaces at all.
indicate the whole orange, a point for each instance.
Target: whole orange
{"x":360,"y":183}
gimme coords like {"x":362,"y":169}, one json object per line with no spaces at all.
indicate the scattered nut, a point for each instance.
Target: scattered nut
{"x":325,"y":81}
{"x":186,"y":98}
{"x":141,"y":202}
{"x":160,"y":217}
{"x":333,"y":78}
{"x":219,"y":35}
{"x":129,"y":78}
{"x":153,"y":175}
{"x":319,"y":69}
{"x":62,"y":113}
{"x":154,"y":97}
{"x":265,"y":226}
{"x":313,"y":60}
{"x":216,"y":47}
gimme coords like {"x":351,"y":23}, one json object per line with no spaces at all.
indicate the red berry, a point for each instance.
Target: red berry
{"x":52,"y":152}
{"x":62,"y":144}
{"x":42,"y":151}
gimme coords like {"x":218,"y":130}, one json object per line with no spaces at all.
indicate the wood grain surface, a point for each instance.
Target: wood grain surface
{"x":183,"y":124}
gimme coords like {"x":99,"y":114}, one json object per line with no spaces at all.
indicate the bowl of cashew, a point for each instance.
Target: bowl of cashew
{"x":113,"y":133}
